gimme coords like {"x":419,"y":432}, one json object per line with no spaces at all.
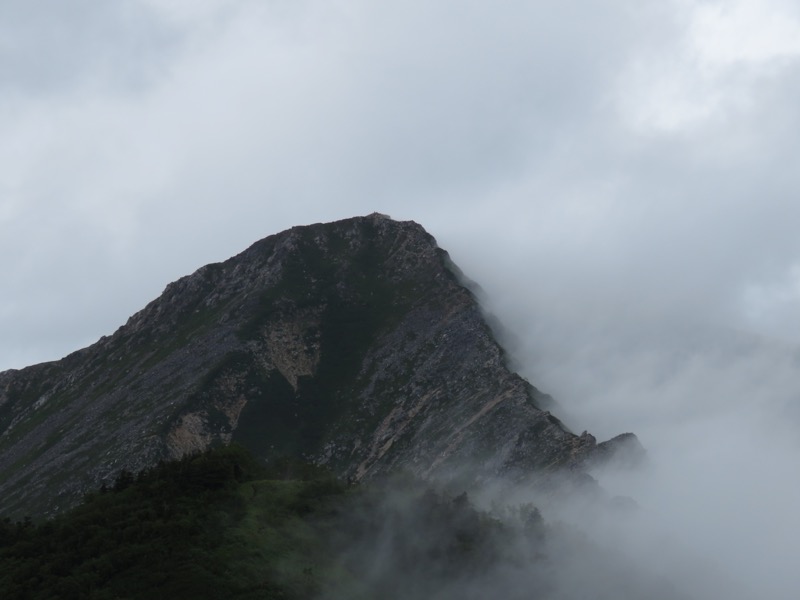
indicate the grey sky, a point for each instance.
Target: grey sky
{"x":635,"y":153}
{"x":621,"y":177}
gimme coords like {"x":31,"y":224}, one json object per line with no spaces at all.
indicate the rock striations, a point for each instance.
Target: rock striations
{"x":353,"y":344}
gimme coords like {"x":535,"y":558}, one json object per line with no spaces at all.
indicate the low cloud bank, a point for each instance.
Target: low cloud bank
{"x":718,"y":413}
{"x":710,"y":513}
{"x":404,"y":541}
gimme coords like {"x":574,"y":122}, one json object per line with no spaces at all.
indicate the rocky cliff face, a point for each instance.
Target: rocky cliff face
{"x":353,"y":344}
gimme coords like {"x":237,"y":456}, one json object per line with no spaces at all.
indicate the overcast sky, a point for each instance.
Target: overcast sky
{"x":620,"y":176}
{"x":641,"y":153}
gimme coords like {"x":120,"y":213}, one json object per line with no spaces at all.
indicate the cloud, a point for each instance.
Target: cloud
{"x":620,"y":178}
{"x":746,"y":31}
{"x":173,"y":134}
{"x":113,"y":48}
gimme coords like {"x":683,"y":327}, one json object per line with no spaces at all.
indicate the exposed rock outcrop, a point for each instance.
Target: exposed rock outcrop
{"x":353,"y":344}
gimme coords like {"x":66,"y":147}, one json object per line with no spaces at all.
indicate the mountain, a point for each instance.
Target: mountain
{"x":222,"y":525}
{"x":356,"y":345}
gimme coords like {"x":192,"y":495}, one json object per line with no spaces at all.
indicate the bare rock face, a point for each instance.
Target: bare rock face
{"x":352,"y":344}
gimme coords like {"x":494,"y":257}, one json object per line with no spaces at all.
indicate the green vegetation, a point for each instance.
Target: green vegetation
{"x":223,"y":525}
{"x":171,"y":531}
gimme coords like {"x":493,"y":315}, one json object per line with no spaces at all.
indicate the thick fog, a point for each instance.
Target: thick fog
{"x":621,"y":178}
{"x":718,"y":411}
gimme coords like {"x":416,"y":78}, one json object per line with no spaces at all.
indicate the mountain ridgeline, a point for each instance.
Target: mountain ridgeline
{"x":354,"y":345}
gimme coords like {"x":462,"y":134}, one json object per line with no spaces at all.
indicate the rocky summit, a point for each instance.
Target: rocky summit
{"x":356,"y":345}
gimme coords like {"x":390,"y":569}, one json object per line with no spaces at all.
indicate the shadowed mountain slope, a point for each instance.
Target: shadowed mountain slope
{"x":351,"y":344}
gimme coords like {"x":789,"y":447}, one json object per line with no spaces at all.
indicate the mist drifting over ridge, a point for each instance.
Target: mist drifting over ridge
{"x":715,"y":407}
{"x":684,"y":523}
{"x":622,"y":180}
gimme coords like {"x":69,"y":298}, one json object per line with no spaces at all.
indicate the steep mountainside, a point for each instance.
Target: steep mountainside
{"x":353,"y":344}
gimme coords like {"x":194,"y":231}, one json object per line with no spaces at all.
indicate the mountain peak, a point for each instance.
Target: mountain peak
{"x":351,"y":344}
